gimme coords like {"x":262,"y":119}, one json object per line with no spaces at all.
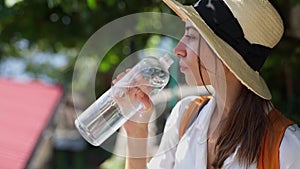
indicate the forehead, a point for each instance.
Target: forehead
{"x":189,"y":26}
{"x":188,"y":23}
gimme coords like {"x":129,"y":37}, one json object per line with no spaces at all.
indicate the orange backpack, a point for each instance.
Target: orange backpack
{"x":268,"y":157}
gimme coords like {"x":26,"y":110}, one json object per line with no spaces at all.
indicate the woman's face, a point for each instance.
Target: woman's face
{"x":190,"y":47}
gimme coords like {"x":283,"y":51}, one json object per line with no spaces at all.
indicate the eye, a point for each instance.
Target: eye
{"x":190,"y":37}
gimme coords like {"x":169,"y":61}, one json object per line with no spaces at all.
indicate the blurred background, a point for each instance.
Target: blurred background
{"x":40,"y":41}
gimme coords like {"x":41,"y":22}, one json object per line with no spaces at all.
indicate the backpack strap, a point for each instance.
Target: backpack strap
{"x":268,"y":157}
{"x":191,"y":113}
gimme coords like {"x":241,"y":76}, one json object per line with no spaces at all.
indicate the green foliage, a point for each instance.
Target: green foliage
{"x":281,"y":72}
{"x":63,"y":25}
{"x":295,"y":2}
{"x":92,"y":4}
{"x":114,"y":162}
{"x":71,"y":23}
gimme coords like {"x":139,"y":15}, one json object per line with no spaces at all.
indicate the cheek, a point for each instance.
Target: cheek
{"x":193,"y":75}
{"x":192,"y":62}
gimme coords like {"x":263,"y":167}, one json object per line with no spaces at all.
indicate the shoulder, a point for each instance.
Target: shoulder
{"x":185,"y":101}
{"x":290,"y":148}
{"x":178,"y":110}
{"x":182,"y":104}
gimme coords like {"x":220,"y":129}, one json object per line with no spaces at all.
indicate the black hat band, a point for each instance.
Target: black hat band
{"x":220,"y":19}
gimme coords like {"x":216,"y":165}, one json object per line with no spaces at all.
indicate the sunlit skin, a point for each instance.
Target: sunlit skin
{"x":126,"y":97}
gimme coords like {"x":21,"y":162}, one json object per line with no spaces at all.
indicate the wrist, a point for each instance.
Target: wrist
{"x":139,"y":131}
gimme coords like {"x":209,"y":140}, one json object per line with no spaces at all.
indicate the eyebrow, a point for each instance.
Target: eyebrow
{"x":190,"y":27}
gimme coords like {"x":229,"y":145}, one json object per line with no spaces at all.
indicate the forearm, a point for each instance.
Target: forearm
{"x":136,"y":157}
{"x":136,"y":163}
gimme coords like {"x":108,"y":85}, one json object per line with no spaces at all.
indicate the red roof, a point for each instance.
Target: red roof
{"x":25,"y":110}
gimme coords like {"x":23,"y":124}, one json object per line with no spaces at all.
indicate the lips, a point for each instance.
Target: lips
{"x":182,"y":67}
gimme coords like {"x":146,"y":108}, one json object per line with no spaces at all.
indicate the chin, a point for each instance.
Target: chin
{"x":191,"y":82}
{"x":194,"y":82}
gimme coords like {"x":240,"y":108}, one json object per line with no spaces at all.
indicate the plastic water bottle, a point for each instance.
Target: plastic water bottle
{"x":110,"y":111}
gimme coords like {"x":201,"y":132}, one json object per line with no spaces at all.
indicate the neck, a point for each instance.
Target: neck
{"x":226,"y":96}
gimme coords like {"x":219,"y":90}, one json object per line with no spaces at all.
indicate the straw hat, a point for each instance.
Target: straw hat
{"x":240,"y":32}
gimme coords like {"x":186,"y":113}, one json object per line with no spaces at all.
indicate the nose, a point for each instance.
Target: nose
{"x":180,"y":49}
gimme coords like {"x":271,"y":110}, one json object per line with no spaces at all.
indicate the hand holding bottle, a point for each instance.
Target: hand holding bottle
{"x":137,"y":125}
{"x":128,"y":100}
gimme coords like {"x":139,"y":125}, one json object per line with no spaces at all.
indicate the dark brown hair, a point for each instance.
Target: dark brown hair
{"x":244,"y":127}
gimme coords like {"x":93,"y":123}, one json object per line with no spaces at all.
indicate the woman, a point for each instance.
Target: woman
{"x":225,"y":44}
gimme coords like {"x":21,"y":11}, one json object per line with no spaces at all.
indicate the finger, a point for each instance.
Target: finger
{"x":120,"y":76}
{"x":144,"y":98}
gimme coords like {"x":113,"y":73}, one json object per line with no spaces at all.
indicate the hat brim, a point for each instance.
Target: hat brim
{"x":232,"y":59}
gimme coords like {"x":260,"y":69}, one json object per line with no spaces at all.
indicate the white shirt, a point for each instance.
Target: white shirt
{"x":191,"y":151}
